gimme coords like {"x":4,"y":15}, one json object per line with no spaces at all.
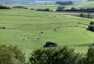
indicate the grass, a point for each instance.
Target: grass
{"x":24,"y":27}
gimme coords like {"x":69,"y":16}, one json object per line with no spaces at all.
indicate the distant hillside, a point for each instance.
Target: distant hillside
{"x":89,"y":4}
{"x":29,"y":2}
{"x":90,"y":0}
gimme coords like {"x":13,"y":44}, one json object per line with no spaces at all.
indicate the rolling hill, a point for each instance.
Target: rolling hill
{"x":23,"y":28}
{"x":89,"y":4}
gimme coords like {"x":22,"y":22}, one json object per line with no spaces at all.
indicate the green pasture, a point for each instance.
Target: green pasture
{"x":23,"y":28}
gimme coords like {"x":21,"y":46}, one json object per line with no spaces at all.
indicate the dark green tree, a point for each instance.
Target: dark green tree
{"x":54,"y":56}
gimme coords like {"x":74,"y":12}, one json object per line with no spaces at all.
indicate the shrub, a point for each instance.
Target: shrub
{"x":91,"y":27}
{"x":81,"y":60}
{"x":11,"y":55}
{"x":46,"y":9}
{"x":54,"y":56}
{"x":4,"y":7}
{"x":50,"y":44}
{"x":81,"y":15}
{"x":60,"y":8}
{"x":90,"y":55}
{"x":22,"y":7}
{"x":91,"y":23}
{"x":3,"y":27}
{"x":32,"y":9}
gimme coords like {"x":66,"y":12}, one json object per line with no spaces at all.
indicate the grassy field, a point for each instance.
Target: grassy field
{"x":24,"y":27}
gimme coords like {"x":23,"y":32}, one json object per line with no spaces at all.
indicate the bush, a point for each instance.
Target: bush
{"x":82,"y":15}
{"x":55,"y":56}
{"x":46,"y":9}
{"x":32,"y":9}
{"x":91,"y":27}
{"x":90,"y":55}
{"x":60,"y":8}
{"x":22,"y":7}
{"x":11,"y":55}
{"x":4,"y":7}
{"x":91,"y":23}
{"x":50,"y":44}
{"x":3,"y":27}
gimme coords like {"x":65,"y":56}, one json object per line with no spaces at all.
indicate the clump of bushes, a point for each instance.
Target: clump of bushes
{"x":11,"y":55}
{"x":46,"y":9}
{"x":60,"y":8}
{"x":91,"y":26}
{"x":85,"y":15}
{"x":50,"y":44}
{"x":61,"y":56}
{"x":3,"y":27}
{"x":21,"y":7}
{"x":55,"y":56}
{"x":4,"y":7}
{"x":90,"y":56}
{"x":81,"y":15}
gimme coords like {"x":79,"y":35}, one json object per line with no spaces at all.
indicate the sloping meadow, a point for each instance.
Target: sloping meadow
{"x":30,"y":30}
